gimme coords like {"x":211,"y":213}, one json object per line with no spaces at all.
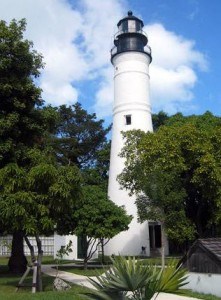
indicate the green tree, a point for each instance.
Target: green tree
{"x":176,"y":174}
{"x":80,"y":136}
{"x":97,"y":173}
{"x":41,"y":195}
{"x":80,"y":139}
{"x":24,"y":122}
{"x":99,"y":220}
{"x":20,"y":120}
{"x":159,"y":119}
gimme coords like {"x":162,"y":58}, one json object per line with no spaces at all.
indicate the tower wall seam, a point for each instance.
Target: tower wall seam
{"x":132,"y":71}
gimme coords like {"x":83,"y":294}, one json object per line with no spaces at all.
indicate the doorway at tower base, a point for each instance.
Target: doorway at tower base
{"x":144,"y":239}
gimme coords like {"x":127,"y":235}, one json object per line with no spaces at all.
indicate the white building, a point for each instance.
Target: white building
{"x":131,"y":57}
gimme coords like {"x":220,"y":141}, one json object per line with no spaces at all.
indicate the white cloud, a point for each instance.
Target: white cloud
{"x":173,"y":71}
{"x":98,"y":29}
{"x":54,"y":27}
{"x":75,"y":41}
{"x":105,"y":95}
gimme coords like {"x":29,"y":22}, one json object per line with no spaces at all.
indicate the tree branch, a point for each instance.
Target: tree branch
{"x":31,"y":248}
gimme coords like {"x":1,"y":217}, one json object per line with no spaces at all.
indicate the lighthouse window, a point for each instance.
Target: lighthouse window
{"x":138,"y":26}
{"x":132,"y":25}
{"x":124,"y":26}
{"x":128,"y":119}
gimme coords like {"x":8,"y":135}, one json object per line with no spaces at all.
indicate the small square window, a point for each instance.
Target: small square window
{"x":128,"y":119}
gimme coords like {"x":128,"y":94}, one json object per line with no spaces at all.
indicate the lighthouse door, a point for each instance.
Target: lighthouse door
{"x":81,"y":247}
{"x":155,"y":237}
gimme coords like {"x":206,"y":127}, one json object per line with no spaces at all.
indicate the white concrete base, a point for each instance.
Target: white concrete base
{"x":167,"y":296}
{"x":204,"y":283}
{"x":130,"y":242}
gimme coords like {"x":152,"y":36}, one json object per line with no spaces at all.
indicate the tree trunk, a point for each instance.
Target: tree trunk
{"x":17,"y":261}
{"x":102,"y":251}
{"x":39,"y":261}
{"x":31,"y":248}
{"x":85,"y":263}
{"x":162,"y":245}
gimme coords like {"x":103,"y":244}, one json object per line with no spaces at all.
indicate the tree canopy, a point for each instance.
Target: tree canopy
{"x":99,"y":219}
{"x":176,"y":174}
{"x":41,"y":195}
{"x":79,"y":137}
{"x":34,"y":189}
{"x":20,"y":120}
{"x":159,"y":119}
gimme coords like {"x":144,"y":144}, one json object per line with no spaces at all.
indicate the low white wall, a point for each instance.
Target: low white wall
{"x":204,"y":283}
{"x":63,"y":240}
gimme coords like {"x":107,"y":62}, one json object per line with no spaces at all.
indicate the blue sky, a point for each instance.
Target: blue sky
{"x":75,"y":38}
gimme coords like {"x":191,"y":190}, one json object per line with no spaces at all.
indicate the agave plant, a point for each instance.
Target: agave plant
{"x":129,"y":280}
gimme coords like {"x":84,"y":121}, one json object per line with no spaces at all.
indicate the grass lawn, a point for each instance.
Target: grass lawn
{"x":157,"y":260}
{"x":200,"y":296}
{"x":8,"y":284}
{"x":46,"y":260}
{"x":80,"y":270}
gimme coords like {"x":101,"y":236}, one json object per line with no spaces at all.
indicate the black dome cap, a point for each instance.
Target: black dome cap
{"x":130,"y":16}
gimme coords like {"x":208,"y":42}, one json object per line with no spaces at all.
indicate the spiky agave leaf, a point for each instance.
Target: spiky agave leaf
{"x":172,"y":279}
{"x":128,"y":280}
{"x":152,"y":285}
{"x":124,"y":275}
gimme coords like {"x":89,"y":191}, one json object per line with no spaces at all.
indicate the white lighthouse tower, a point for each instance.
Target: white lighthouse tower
{"x":130,"y":57}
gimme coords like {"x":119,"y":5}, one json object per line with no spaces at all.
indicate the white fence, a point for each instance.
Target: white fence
{"x":47,"y":245}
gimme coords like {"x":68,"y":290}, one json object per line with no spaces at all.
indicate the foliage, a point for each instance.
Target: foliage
{"x":128,"y":280}
{"x":176,"y":173}
{"x":24,"y":124}
{"x":97,"y":173}
{"x":98,"y":219}
{"x":20,"y":118}
{"x":80,"y":136}
{"x":159,"y":119}
{"x":40,"y":195}
{"x":64,"y":250}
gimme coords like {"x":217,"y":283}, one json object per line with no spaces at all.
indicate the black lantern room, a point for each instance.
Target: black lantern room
{"x":130,"y":36}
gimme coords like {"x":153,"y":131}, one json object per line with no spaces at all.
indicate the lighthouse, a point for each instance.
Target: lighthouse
{"x":130,"y":57}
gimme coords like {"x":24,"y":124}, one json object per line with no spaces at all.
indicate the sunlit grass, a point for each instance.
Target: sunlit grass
{"x":8,"y":283}
{"x":80,"y":270}
{"x":189,"y":293}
